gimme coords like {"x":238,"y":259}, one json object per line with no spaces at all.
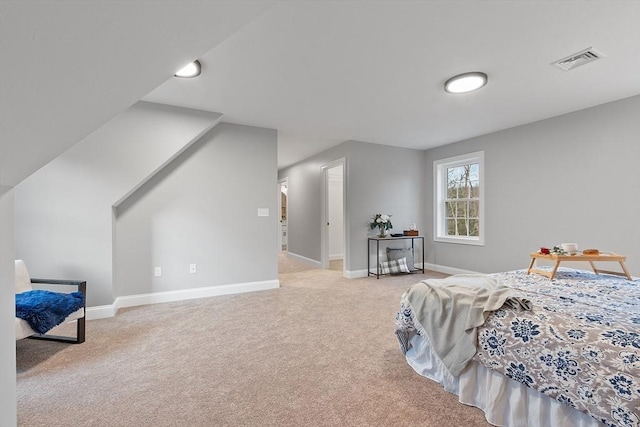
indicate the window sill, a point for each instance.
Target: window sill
{"x":460,"y":240}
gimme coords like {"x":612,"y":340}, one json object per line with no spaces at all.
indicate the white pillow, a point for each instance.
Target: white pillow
{"x":23,"y":281}
{"x":394,"y":266}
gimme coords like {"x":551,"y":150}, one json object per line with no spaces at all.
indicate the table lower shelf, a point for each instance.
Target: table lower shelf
{"x":416,"y":271}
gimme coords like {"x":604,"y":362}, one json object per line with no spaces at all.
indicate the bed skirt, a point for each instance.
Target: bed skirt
{"x":504,"y":401}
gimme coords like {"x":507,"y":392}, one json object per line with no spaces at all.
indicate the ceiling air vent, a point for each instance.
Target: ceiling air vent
{"x":578,"y":59}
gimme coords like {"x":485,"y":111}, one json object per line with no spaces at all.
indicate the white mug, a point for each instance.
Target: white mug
{"x":570,"y":248}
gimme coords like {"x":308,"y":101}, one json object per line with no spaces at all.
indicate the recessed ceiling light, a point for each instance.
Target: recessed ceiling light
{"x":191,"y":70}
{"x":467,"y":82}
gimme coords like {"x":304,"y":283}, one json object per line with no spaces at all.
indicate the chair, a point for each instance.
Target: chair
{"x":24,"y":283}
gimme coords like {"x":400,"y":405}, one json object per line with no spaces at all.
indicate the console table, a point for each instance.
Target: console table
{"x":377,"y":241}
{"x":591,"y":259}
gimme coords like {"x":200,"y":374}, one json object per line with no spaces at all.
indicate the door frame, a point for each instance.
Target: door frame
{"x":324,"y":235}
{"x":281,"y":181}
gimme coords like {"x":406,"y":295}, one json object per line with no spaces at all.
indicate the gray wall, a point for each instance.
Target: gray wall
{"x":202,"y":209}
{"x":64,"y":210}
{"x":379,"y":179}
{"x":304,"y":211}
{"x":7,"y":311}
{"x":387,"y":180}
{"x":571,"y":178}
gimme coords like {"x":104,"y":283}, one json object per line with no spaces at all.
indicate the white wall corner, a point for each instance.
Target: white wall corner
{"x":8,"y":397}
{"x":215,"y":120}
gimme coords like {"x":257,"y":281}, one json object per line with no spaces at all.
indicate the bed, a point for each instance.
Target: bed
{"x":571,"y":357}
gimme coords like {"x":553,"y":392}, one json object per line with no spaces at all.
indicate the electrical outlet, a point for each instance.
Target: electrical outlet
{"x":263,"y":211}
{"x":192,"y":269}
{"x":157,"y":272}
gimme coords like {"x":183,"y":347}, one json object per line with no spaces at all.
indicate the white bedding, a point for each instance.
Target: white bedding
{"x":579,"y":346}
{"x":504,"y":401}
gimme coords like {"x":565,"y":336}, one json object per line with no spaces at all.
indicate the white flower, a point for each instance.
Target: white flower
{"x":381,"y":221}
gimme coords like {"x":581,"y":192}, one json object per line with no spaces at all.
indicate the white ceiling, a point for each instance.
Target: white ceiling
{"x":69,"y":66}
{"x":325,"y":72}
{"x":319,"y":72}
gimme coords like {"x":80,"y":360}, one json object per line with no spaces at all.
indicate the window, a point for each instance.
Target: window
{"x":459,"y":199}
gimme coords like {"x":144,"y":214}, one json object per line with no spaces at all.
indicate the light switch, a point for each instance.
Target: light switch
{"x":157,"y":272}
{"x":263,"y":211}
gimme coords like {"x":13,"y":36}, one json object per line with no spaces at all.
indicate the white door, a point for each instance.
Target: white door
{"x":333,"y":242}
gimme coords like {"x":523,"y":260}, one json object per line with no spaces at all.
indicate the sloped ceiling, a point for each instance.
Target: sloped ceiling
{"x":68,"y":67}
{"x":325,"y":72}
{"x":321,"y":72}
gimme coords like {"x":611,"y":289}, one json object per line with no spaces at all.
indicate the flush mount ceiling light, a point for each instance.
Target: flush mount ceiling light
{"x":191,"y":70}
{"x":467,"y":82}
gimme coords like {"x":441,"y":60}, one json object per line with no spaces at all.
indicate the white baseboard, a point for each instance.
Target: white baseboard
{"x":355,"y":274}
{"x":308,"y":261}
{"x":447,"y":270}
{"x":103,"y":311}
{"x":336,"y":257}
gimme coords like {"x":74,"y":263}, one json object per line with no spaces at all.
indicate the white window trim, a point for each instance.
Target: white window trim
{"x":439,"y":194}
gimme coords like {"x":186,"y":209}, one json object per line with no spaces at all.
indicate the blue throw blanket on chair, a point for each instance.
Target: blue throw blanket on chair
{"x":44,"y":310}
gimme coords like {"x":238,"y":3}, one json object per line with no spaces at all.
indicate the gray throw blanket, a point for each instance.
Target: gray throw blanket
{"x":451,"y":310}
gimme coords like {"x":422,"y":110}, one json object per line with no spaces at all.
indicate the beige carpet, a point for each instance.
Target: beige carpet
{"x":336,"y":265}
{"x":319,"y":351}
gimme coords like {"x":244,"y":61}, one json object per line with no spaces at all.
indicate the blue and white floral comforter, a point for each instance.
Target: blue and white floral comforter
{"x":580,"y":344}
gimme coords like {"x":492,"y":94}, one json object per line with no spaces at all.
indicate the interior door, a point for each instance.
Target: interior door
{"x":333,"y":218}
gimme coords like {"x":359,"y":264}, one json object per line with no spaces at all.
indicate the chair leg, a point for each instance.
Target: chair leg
{"x":80,"y":329}
{"x":78,"y":339}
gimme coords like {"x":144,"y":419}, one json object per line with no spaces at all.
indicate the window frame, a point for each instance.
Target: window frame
{"x":440,"y":196}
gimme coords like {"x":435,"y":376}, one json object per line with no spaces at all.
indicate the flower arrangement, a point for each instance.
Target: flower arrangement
{"x":556,"y":250}
{"x":382,"y":222}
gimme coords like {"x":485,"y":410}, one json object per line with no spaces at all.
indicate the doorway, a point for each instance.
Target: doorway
{"x":283,"y":202}
{"x":333,"y":235}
